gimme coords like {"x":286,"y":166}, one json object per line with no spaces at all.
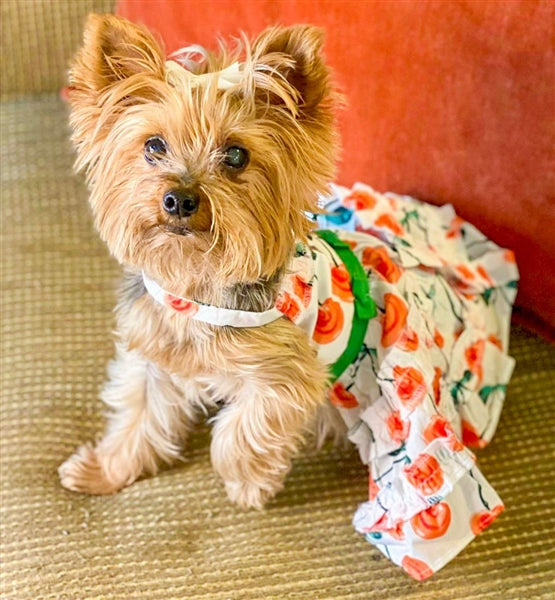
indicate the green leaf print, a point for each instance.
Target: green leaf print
{"x":410,"y":214}
{"x":300,"y":249}
{"x":487,"y":295}
{"x":457,"y":391}
{"x":402,"y":448}
{"x":488,"y":390}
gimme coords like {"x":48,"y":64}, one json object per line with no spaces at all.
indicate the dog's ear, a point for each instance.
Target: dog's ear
{"x":119,"y":65}
{"x":114,"y":50}
{"x":293,"y":56}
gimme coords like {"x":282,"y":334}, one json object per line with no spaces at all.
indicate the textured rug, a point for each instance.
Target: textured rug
{"x":176,"y":536}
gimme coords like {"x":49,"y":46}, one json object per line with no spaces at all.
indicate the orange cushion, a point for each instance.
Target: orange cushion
{"x":448,"y":102}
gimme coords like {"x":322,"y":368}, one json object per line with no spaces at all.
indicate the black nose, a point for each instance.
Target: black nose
{"x":181,"y":202}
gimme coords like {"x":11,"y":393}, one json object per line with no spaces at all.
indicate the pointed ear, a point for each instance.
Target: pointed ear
{"x":114,"y":49}
{"x":295,"y":55}
{"x":119,"y":65}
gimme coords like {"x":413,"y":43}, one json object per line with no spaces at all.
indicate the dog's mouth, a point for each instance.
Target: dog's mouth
{"x":196,"y":224}
{"x":177,"y":229}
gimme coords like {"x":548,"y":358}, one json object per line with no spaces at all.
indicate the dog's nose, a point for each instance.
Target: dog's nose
{"x":180,"y":202}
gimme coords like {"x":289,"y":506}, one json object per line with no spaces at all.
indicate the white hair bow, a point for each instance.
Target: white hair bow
{"x":179,"y":70}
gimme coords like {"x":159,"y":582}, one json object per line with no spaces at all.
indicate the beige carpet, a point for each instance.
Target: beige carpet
{"x":176,"y":536}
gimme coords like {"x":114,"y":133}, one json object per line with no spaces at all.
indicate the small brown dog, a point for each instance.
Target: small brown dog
{"x":200,"y":178}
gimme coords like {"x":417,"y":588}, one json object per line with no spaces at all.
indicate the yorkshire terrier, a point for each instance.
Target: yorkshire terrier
{"x":202,"y":180}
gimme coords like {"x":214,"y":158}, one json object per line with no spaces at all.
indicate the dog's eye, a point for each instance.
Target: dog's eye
{"x":155,"y":148}
{"x":236,"y":158}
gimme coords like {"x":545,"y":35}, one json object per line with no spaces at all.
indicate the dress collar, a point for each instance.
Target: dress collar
{"x":207,"y":313}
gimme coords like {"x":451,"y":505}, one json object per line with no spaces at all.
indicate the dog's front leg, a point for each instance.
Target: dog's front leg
{"x":272,"y":399}
{"x":145,"y":427}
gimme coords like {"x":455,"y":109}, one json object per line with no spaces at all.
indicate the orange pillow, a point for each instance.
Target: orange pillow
{"x":447,"y":101}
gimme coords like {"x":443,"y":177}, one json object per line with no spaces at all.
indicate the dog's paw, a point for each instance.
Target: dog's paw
{"x":249,"y":495}
{"x":83,"y":472}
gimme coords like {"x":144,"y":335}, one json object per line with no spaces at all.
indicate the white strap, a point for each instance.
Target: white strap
{"x":210,"y":314}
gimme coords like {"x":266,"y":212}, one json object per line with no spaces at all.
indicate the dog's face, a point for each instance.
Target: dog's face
{"x":194,"y":179}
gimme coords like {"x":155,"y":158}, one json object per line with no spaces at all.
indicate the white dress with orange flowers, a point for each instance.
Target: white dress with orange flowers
{"x":430,"y":378}
{"x":419,"y":360}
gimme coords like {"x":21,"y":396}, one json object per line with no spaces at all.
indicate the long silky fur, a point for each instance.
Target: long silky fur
{"x":233,"y":252}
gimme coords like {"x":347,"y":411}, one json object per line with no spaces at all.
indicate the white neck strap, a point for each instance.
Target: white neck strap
{"x":210,"y":314}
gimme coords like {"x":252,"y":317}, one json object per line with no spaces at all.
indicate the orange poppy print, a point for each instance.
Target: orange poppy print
{"x":396,"y":532}
{"x":288,"y":306}
{"x":359,"y":200}
{"x":465,"y":272}
{"x":397,"y":428}
{"x":380,"y":526}
{"x":379,"y":261}
{"x":389,"y":222}
{"x":416,"y":568}
{"x":341,"y":283}
{"x":484,"y":275}
{"x":474,"y":356}
{"x":437,"y":384}
{"x":302,"y":290}
{"x":439,"y":427}
{"x":341,"y":397}
{"x":410,"y":386}
{"x":351,"y":243}
{"x":433,"y":522}
{"x":394,"y":319}
{"x":471,"y":437}
{"x":455,"y":227}
{"x":408,"y":340}
{"x":185,"y":307}
{"x":329,"y":323}
{"x":482,"y":520}
{"x":425,"y":474}
{"x":438,"y":339}
{"x":493,"y":339}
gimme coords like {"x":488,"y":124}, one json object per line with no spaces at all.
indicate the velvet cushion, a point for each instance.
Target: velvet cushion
{"x":447,"y":101}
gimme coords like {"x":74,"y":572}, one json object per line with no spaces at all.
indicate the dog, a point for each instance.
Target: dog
{"x":206,"y":191}
{"x":207,"y":176}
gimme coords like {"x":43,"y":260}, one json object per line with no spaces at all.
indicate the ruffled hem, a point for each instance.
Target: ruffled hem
{"x":426,"y":542}
{"x":413,"y":486}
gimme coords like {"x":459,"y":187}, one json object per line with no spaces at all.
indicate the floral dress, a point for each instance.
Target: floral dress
{"x":410,"y":307}
{"x":428,"y":380}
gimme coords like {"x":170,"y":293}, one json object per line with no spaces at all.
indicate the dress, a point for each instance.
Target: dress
{"x":430,"y":380}
{"x":415,"y":333}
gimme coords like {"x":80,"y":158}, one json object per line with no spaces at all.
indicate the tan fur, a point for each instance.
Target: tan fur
{"x":233,"y":253}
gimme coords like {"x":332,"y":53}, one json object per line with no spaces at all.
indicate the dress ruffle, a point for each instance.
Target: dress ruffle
{"x":431,"y":378}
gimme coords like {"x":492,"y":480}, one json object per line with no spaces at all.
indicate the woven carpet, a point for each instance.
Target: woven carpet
{"x":176,"y":535}
{"x":37,"y":37}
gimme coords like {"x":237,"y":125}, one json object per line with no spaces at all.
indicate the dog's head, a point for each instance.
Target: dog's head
{"x":203,"y":168}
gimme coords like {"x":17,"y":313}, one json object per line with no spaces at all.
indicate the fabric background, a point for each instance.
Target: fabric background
{"x":448,"y":101}
{"x":176,"y":536}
